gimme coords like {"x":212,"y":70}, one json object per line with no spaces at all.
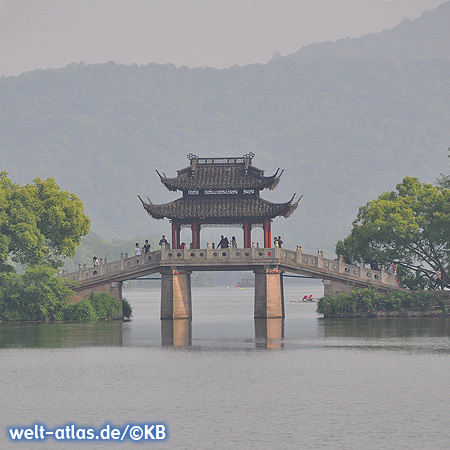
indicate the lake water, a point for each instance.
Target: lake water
{"x":226,"y":381}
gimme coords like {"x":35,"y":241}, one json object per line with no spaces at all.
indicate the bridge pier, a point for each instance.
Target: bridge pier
{"x":113,"y":288}
{"x":269,"y":295}
{"x":334,"y":287}
{"x":176,"y":301}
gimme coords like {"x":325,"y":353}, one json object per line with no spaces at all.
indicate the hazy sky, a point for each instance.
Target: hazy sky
{"x":53,"y":33}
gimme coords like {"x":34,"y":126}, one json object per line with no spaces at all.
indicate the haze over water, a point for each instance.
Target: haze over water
{"x":233,"y":382}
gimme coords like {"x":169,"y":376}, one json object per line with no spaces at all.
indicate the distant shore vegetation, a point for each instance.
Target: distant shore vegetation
{"x":38,"y":295}
{"x":364,"y":303}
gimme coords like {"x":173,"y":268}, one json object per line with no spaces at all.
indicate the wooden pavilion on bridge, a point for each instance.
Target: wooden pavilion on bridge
{"x":220,"y":192}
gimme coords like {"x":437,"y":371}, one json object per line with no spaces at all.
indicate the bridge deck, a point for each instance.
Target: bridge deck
{"x":236,"y":260}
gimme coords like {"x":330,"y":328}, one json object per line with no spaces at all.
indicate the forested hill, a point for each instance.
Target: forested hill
{"x":425,"y":38}
{"x":345,"y":123}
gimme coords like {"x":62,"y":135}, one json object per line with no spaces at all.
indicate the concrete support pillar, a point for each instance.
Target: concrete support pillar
{"x":176,"y":302}
{"x":269,"y":295}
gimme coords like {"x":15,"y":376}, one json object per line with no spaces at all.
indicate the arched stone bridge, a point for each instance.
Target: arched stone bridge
{"x":268,"y":265}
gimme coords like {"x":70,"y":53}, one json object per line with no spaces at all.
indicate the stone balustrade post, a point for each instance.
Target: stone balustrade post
{"x":362,"y":268}
{"x":341,"y":264}
{"x":383,"y":274}
{"x":121,"y":261}
{"x":79,"y":272}
{"x":299,"y":254}
{"x":319,"y":259}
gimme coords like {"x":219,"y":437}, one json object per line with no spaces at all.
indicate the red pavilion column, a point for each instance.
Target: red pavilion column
{"x":245,"y":228}
{"x":178,"y":231}
{"x":175,"y":234}
{"x":267,"y":233}
{"x":195,"y":234}
{"x":247,"y":234}
{"x":198,"y":235}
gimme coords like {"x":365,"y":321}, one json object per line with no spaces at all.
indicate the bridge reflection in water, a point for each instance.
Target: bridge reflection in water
{"x":269,"y":333}
{"x":176,"y":333}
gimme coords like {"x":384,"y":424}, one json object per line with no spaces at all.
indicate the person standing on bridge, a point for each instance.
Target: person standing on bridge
{"x":147,"y":247}
{"x":438,"y":283}
{"x":163,"y":241}
{"x":223,"y":243}
{"x":374,"y":264}
{"x":137,"y":250}
{"x":280,"y":242}
{"x":391,"y":269}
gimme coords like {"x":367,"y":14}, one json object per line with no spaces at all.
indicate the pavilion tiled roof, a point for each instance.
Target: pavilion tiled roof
{"x":220,"y":207}
{"x":228,"y":174}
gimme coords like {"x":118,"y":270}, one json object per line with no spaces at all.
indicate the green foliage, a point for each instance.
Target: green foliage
{"x":368,"y":303}
{"x":127,"y":310}
{"x":410,"y":226}
{"x":444,"y":179}
{"x":39,"y":223}
{"x":82,"y":311}
{"x":106,"y":307}
{"x":95,"y":307}
{"x":36,"y":295}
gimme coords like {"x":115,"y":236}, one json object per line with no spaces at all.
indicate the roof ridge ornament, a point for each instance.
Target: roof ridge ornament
{"x":191,"y":156}
{"x":248,"y":161}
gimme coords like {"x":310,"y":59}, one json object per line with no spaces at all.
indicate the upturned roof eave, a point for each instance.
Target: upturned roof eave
{"x":166,"y":210}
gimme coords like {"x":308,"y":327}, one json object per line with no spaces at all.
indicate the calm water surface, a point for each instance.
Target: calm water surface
{"x":226,"y":381}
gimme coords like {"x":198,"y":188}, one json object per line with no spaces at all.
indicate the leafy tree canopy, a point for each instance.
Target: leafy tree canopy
{"x":39,"y":223}
{"x":35,"y":295}
{"x":444,"y":180}
{"x":410,"y":226}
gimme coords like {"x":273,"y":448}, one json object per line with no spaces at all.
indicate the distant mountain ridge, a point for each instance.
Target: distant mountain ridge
{"x":424,"y":38}
{"x":346,"y":120}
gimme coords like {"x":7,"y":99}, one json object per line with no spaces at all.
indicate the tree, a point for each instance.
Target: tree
{"x":39,"y":223}
{"x":35,"y":295}
{"x":444,"y":180}
{"x":410,"y":226}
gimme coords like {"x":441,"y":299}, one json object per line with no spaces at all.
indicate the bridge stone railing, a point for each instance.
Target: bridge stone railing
{"x":338,"y":267}
{"x":127,"y":264}
{"x":212,"y":255}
